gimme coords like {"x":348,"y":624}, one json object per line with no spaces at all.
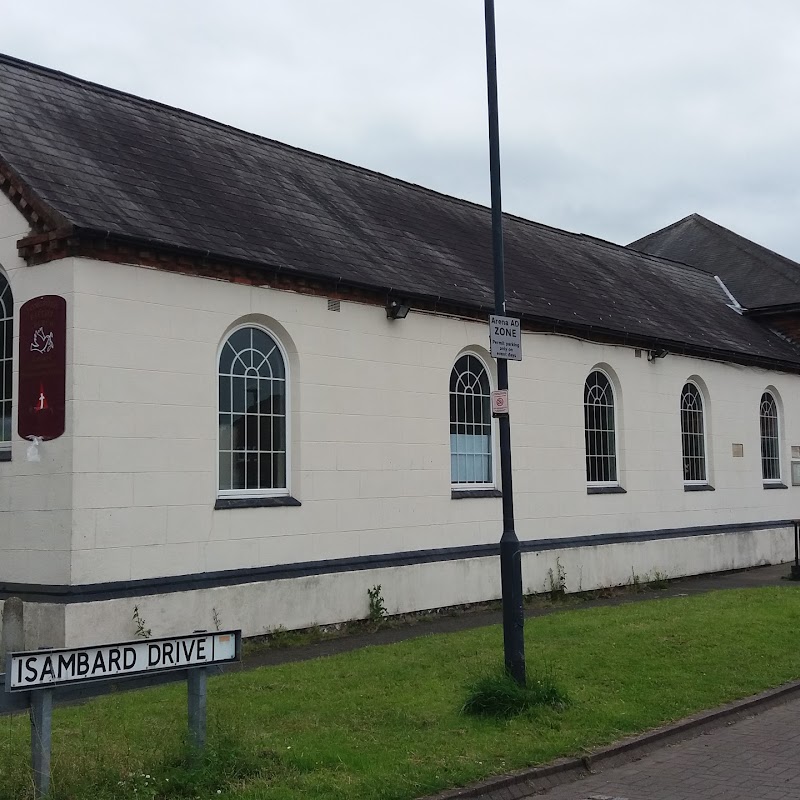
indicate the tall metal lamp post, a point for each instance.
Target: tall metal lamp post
{"x":510,"y":560}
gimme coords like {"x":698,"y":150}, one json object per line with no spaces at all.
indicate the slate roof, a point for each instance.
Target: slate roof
{"x":134,"y":170}
{"x":756,"y":276}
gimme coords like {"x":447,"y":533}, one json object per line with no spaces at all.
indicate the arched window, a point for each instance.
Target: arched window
{"x":693,"y":435}
{"x":6,"y":350}
{"x":599,"y":428}
{"x":770,"y":439}
{"x":470,"y":423}
{"x":253,"y":422}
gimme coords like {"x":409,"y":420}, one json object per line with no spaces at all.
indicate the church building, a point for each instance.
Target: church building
{"x":244,"y":384}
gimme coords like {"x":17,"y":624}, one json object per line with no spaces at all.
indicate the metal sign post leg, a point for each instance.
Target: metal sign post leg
{"x":795,"y":571}
{"x":13,"y":634}
{"x":41,"y":729}
{"x":196,"y":682}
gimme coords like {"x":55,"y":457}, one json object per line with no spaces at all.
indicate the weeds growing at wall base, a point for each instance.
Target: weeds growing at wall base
{"x":139,"y":622}
{"x":558,"y":581}
{"x":377,"y":607}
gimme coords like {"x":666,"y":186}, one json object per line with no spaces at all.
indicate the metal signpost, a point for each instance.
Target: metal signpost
{"x":510,"y":559}
{"x":89,"y":671}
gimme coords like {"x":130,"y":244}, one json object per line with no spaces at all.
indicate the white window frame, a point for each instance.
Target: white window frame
{"x":6,"y":356}
{"x":615,"y":482}
{"x":492,"y":483}
{"x":703,"y":417}
{"x":778,"y":433}
{"x":233,"y":494}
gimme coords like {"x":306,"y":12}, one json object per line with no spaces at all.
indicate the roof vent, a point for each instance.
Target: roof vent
{"x":334,"y":305}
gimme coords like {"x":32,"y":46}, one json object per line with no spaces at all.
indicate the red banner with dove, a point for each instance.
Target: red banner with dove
{"x":42,"y":367}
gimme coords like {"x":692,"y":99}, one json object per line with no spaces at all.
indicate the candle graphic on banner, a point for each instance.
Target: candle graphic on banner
{"x":41,"y":404}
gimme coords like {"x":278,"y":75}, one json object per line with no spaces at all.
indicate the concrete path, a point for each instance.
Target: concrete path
{"x":757,"y":758}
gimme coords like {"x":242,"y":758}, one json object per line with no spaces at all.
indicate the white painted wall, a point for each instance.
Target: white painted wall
{"x":135,"y":475}
{"x":35,"y":498}
{"x":259,"y":608}
{"x":370,"y":449}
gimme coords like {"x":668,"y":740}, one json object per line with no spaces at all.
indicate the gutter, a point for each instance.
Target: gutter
{"x":431,"y":302}
{"x":772,"y":311}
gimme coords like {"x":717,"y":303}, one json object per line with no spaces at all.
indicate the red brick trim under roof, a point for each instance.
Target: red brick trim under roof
{"x":47,"y":247}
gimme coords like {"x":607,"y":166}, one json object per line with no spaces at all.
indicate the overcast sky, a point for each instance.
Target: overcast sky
{"x":616,"y":117}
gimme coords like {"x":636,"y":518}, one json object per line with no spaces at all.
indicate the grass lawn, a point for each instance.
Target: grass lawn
{"x":384,"y":722}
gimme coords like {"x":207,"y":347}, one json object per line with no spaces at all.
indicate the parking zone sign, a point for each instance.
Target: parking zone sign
{"x":505,"y":338}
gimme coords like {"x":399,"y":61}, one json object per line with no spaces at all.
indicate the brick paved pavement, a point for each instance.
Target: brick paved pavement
{"x":757,"y":758}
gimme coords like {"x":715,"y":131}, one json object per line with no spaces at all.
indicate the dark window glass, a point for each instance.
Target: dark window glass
{"x":693,"y":441}
{"x":770,"y":441}
{"x":470,"y":423}
{"x":598,"y":415}
{"x":252,"y":417}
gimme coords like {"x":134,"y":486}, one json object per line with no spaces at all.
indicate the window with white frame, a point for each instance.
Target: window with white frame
{"x":470,"y":424}
{"x":600,"y":430}
{"x":693,"y":435}
{"x":770,"y":439}
{"x":6,"y":351}
{"x":253,"y":420}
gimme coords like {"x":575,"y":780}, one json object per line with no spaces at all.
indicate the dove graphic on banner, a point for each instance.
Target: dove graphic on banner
{"x":42,"y":342}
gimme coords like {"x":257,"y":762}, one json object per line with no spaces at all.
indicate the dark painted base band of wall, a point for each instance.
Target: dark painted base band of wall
{"x":86,"y":593}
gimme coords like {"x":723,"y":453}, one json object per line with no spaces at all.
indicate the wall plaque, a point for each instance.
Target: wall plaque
{"x":42,"y":367}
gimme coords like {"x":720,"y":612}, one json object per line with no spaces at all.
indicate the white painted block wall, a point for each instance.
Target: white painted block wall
{"x":370,"y":437}
{"x":128,"y":492}
{"x":326,"y":599}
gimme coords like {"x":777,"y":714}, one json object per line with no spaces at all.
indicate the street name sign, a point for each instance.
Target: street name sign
{"x":46,"y":669}
{"x":505,"y":338}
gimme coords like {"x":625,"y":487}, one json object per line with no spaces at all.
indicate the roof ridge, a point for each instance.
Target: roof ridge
{"x":743,"y":243}
{"x":434,"y":245}
{"x":199,"y":118}
{"x":661,"y":230}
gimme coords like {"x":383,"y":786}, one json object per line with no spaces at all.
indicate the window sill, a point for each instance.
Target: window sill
{"x":466,"y":494}
{"x":775,"y":486}
{"x":698,"y":487}
{"x":255,"y":502}
{"x":5,"y":455}
{"x":605,"y":490}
